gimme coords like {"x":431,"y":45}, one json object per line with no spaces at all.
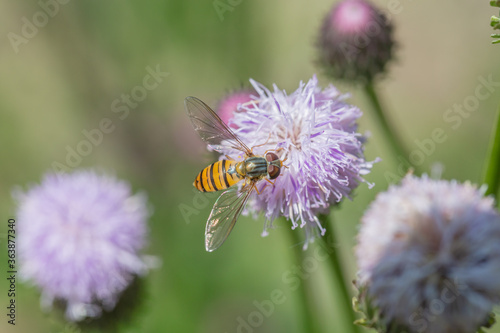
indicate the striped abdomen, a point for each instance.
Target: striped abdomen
{"x":217,"y":176}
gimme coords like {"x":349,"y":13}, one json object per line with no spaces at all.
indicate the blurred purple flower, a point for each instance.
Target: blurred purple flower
{"x":429,"y":255}
{"x":80,"y":235}
{"x":231,"y":103}
{"x":315,"y":130}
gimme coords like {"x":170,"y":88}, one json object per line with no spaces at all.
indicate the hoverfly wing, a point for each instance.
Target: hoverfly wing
{"x":226,"y":211}
{"x":211,"y":128}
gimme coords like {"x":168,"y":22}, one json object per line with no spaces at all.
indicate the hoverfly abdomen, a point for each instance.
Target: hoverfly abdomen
{"x":217,"y":176}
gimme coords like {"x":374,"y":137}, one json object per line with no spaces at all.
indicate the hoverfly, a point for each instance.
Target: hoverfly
{"x":226,"y":173}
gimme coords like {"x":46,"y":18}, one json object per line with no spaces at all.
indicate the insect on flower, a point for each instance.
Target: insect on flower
{"x":226,"y":173}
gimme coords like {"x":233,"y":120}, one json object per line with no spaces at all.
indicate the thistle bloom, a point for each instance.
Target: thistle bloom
{"x":429,"y":255}
{"x":231,"y":104}
{"x":315,"y":131}
{"x":79,"y":240}
{"x":355,"y":41}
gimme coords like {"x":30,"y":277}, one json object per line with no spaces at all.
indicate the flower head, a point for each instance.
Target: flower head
{"x":231,"y":103}
{"x":315,"y":131}
{"x":79,"y":240}
{"x":355,"y":41}
{"x":429,"y":255}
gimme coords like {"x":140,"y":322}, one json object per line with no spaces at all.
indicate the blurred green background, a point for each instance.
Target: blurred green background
{"x":65,"y":79}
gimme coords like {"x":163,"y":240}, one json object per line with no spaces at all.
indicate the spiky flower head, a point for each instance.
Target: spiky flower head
{"x":79,"y":238}
{"x":429,"y":256}
{"x":315,"y":131}
{"x":355,"y":41}
{"x":231,"y":103}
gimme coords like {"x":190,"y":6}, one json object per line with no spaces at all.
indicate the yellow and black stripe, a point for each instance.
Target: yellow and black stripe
{"x":217,"y":176}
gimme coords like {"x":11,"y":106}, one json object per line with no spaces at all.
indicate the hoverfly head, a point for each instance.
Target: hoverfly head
{"x":273,"y":165}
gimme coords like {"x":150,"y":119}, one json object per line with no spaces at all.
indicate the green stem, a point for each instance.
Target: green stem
{"x":306,"y":303}
{"x":335,"y":263}
{"x":492,"y":170}
{"x":390,"y":133}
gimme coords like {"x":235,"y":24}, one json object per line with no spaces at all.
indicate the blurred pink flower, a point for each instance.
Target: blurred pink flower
{"x":80,"y":237}
{"x":429,"y":255}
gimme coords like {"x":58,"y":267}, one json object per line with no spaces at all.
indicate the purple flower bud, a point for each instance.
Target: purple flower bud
{"x":355,"y":41}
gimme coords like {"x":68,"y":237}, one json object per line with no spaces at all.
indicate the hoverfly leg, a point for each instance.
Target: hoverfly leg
{"x":265,"y":143}
{"x":257,"y":190}
{"x":229,"y":158}
{"x":270,"y":182}
{"x":275,"y":150}
{"x":286,"y":157}
{"x":250,"y":102}
{"x":265,"y":185}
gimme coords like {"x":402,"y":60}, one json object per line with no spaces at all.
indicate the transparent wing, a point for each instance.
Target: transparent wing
{"x":224,"y":215}
{"x":210,"y":127}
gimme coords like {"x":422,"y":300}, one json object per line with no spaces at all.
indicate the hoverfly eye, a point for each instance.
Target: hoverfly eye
{"x":273,"y":171}
{"x":271,"y":157}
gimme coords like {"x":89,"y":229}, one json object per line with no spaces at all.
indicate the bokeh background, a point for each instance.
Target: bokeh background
{"x":65,"y":78}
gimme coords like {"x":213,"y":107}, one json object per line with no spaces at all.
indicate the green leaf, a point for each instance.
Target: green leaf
{"x":495,"y":22}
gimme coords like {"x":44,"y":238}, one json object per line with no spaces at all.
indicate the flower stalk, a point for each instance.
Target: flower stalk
{"x":388,"y":130}
{"x":306,"y":303}
{"x":491,"y":173}
{"x":336,"y":267}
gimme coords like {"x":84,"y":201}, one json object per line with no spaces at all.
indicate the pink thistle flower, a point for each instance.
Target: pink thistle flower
{"x":315,"y":131}
{"x":232,"y":103}
{"x":79,"y":238}
{"x":429,"y":256}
